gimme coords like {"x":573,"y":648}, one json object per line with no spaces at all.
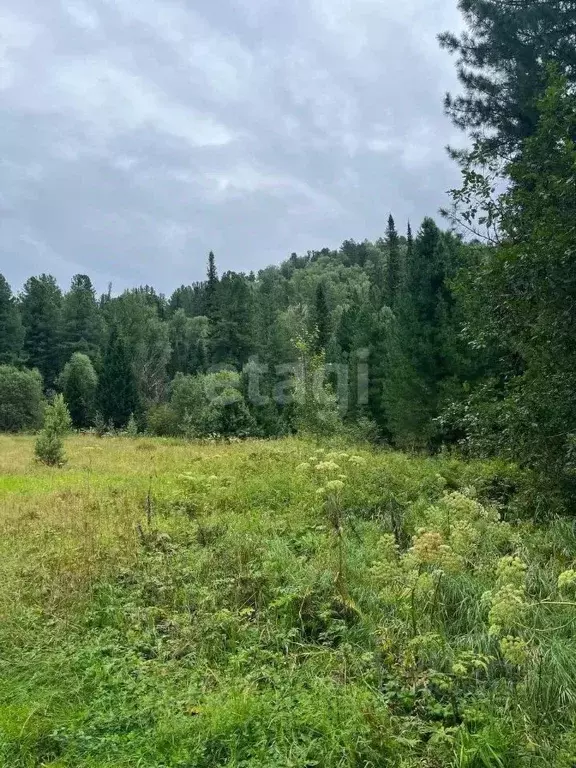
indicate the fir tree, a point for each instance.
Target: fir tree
{"x":394,"y":271}
{"x":211,"y":297}
{"x":117,"y":391}
{"x":232,"y":333}
{"x":41,"y":308}
{"x":11,"y":329}
{"x":322,"y":318}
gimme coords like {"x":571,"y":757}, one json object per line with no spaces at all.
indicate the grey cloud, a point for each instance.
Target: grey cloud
{"x":134,"y":137}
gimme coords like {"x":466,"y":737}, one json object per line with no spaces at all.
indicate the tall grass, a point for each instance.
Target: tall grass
{"x":165,"y":603}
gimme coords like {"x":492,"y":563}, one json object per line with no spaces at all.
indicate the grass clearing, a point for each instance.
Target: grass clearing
{"x":264,"y":604}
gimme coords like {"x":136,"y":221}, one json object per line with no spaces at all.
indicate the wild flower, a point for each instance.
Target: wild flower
{"x":430,"y":548}
{"x":514,"y":650}
{"x":303,"y":467}
{"x":465,"y":538}
{"x":508,"y":608}
{"x":567,"y":581}
{"x":511,"y":570}
{"x":387,"y":547}
{"x":327,"y":466}
{"x":358,"y":460}
{"x":334,"y":486}
{"x":461,"y":506}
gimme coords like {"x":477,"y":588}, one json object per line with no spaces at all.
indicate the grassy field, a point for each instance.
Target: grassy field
{"x":279,"y":604}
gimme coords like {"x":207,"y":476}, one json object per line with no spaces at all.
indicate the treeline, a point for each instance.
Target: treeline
{"x":234,"y":354}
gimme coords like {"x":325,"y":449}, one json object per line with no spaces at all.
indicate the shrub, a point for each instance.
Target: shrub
{"x":187,"y":399}
{"x":78,"y":382}
{"x":21,"y":399}
{"x":210,"y":404}
{"x":57,"y":422}
{"x":162,"y":421}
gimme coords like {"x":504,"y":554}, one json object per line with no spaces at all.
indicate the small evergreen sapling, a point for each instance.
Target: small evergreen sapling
{"x":132,"y":426}
{"x":50,"y":444}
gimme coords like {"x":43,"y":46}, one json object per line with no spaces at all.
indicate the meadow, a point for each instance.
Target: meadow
{"x":289,"y":604}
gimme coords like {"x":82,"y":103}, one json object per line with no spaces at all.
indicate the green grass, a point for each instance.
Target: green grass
{"x":171,"y":604}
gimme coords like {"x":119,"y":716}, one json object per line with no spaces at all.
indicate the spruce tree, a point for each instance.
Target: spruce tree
{"x":82,"y":324}
{"x":322,"y":318}
{"x":117,"y":391}
{"x":11,"y":328}
{"x":394,"y":271}
{"x":232,"y":333}
{"x":211,"y":297}
{"x":409,"y":250}
{"x":41,"y":308}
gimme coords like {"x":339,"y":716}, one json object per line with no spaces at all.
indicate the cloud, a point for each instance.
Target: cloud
{"x":16,"y":35}
{"x":111,"y":101}
{"x":82,"y":15}
{"x":136,"y":136}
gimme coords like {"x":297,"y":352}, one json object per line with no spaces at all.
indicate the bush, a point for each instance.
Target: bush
{"x":162,"y":421}
{"x":21,"y":399}
{"x":187,"y":399}
{"x":209,"y":404}
{"x":78,"y":382}
{"x":57,"y":422}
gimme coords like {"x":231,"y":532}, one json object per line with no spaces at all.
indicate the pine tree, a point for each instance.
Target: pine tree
{"x":82,"y":324}
{"x":322,"y":318}
{"x":502,"y":65}
{"x":41,"y":308}
{"x":117,"y":391}
{"x":11,"y":329}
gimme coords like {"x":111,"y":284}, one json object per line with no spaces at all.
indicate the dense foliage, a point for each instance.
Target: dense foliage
{"x":342,"y":307}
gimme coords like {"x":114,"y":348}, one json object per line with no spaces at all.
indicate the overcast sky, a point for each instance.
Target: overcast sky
{"x":136,"y":135}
